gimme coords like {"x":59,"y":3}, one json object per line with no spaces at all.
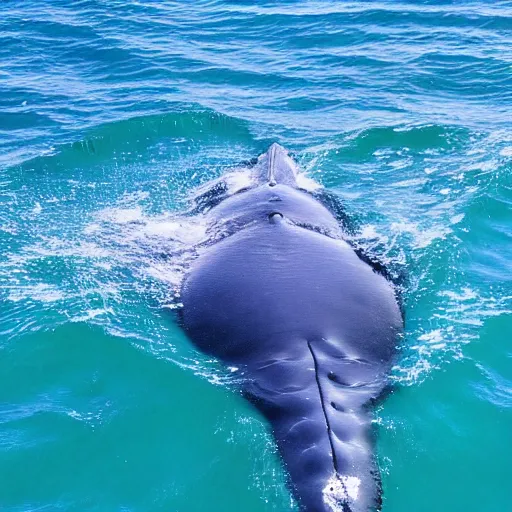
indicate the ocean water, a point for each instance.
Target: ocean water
{"x":112,"y":113}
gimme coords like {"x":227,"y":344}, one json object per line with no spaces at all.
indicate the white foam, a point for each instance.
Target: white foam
{"x":370,"y":232}
{"x":456,"y":218}
{"x":422,"y":237}
{"x":186,"y":231}
{"x":410,"y":183}
{"x":122,"y":215}
{"x":434,"y":336}
{"x":91,"y":314}
{"x":40,"y":292}
{"x":307,"y":183}
{"x":463,"y":295}
{"x":238,"y":180}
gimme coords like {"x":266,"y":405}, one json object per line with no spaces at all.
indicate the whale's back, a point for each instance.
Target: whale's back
{"x":314,"y":330}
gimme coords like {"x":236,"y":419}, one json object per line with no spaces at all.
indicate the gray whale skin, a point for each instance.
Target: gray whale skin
{"x":312,"y":327}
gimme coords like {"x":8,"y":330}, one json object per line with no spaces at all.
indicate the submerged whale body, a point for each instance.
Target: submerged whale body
{"x":311,"y":325}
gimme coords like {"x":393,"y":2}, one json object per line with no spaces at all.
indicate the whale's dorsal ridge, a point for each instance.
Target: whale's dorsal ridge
{"x":277,"y":167}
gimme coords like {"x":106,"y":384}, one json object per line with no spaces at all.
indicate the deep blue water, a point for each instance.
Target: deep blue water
{"x":111,"y":113}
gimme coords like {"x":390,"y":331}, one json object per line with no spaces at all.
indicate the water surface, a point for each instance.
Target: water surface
{"x":112,"y":112}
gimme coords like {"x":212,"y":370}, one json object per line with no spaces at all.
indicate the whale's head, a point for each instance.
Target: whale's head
{"x":272,"y":188}
{"x":276,"y":167}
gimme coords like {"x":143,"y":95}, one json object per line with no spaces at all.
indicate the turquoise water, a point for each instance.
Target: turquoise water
{"x":111,"y":113}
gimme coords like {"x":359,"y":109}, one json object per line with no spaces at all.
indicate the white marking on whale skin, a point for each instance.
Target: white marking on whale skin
{"x":341,"y":489}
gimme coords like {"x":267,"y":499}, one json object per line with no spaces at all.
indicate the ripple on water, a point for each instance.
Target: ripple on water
{"x":112,"y":115}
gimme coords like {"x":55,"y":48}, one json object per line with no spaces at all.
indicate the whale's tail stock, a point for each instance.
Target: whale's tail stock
{"x":322,"y":425}
{"x":331,"y":475}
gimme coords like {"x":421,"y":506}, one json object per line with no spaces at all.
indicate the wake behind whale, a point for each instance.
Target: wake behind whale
{"x":311,"y":325}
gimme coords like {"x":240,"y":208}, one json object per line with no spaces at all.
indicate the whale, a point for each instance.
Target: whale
{"x":310,"y":324}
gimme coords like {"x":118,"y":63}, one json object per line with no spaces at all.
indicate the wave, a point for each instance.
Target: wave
{"x":129,"y":139}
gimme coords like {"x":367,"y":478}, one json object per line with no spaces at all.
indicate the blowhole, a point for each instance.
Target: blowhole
{"x":275,"y":217}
